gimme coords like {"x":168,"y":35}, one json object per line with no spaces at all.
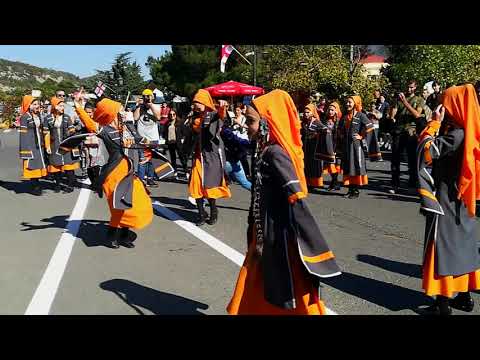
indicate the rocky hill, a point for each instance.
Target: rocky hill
{"x":15,"y":74}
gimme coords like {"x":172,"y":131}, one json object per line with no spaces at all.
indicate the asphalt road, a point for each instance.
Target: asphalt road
{"x":47,"y":266}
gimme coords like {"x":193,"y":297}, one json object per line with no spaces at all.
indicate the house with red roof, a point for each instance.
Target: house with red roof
{"x":373,"y":64}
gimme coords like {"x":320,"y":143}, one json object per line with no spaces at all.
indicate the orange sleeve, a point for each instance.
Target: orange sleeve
{"x":431,"y":129}
{"x":428,"y":156}
{"x":91,"y":125}
{"x":295,"y":197}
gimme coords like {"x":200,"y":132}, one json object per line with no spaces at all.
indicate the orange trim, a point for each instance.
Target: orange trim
{"x":427,"y":194}
{"x":319,"y":258}
{"x":355,"y":180}
{"x":428,"y":155}
{"x":369,"y":130}
{"x":161,"y":167}
{"x":315,"y":181}
{"x":23,"y":131}
{"x":295,"y":197}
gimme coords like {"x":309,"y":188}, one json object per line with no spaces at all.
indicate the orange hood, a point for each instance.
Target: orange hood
{"x":337,"y":109}
{"x":313,"y":110}
{"x":203,"y":97}
{"x":55,"y":101}
{"x":278,"y":109}
{"x":461,"y":104}
{"x":106,"y":111}
{"x":26,"y":102}
{"x":358,"y":102}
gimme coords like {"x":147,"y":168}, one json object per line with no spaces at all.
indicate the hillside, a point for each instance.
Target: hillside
{"x":14,"y":75}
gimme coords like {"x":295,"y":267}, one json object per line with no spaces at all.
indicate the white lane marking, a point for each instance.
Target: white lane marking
{"x":7,"y":131}
{"x":208,"y":239}
{"x":47,"y":289}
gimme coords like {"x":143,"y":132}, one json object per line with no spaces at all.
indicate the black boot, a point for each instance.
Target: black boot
{"x":334,"y":183}
{"x":70,"y":181}
{"x":440,"y":307}
{"x":112,"y":237}
{"x":355,"y":193}
{"x":349,"y":194}
{"x":58,"y":184}
{"x":213,"y":212}
{"x":463,"y":301}
{"x":202,"y":214}
{"x":125,"y":239}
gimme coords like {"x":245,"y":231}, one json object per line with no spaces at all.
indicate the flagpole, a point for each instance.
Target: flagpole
{"x":243,"y":57}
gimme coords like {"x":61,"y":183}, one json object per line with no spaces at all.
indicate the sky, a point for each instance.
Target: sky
{"x":80,"y":60}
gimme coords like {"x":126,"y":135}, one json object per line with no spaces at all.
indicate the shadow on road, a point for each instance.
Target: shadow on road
{"x":24,"y":187}
{"x":389,"y":296}
{"x":187,"y":205}
{"x":407,"y":269}
{"x":395,"y":197}
{"x":91,"y":232}
{"x":158,"y":302}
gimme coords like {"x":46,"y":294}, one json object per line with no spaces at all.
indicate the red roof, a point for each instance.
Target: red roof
{"x":373,"y":59}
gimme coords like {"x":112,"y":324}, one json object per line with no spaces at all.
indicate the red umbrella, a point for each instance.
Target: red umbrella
{"x":233,"y":88}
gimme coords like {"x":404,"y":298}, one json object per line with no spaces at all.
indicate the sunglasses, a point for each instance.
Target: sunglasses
{"x":60,"y":95}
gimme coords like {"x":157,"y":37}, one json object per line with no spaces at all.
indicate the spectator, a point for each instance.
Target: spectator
{"x":405,"y":115}
{"x":434,"y":99}
{"x":147,"y":115}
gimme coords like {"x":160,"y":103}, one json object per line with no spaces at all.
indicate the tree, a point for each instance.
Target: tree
{"x":188,"y":68}
{"x":124,"y":76}
{"x":302,"y":69}
{"x":448,"y":64}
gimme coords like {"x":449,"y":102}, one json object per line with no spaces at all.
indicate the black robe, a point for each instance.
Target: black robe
{"x":350,"y":149}
{"x":310,"y":139}
{"x":212,"y":150}
{"x":280,"y":222}
{"x":57,"y":135}
{"x":447,"y":221}
{"x":32,"y":142}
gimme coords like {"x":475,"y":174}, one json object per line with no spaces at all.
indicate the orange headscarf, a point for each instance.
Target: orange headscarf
{"x":203,"y":97}
{"x":358,"y":102}
{"x":461,"y":104}
{"x":55,"y":101}
{"x":106,"y":111}
{"x":313,"y":110}
{"x":337,"y":109}
{"x":27,"y":100}
{"x":278,"y":109}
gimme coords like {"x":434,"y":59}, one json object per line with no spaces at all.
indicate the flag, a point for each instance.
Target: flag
{"x":100,"y":89}
{"x":226,"y":51}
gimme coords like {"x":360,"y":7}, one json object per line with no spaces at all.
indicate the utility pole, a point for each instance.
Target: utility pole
{"x":351,"y":59}
{"x":254,"y":66}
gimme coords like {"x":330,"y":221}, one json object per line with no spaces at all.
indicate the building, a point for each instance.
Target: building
{"x":373,"y":64}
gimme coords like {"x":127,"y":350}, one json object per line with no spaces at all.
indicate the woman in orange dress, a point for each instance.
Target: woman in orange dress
{"x":130,"y":206}
{"x":352,"y":129}
{"x":287,"y":253}
{"x":207,"y":180}
{"x":60,"y":126}
{"x":310,"y":140}
{"x":32,"y":143}
{"x":449,"y":178}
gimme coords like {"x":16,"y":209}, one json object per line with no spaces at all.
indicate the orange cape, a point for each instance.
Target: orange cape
{"x":461,"y":104}
{"x":278,"y":109}
{"x":27,"y":100}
